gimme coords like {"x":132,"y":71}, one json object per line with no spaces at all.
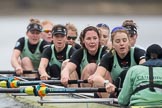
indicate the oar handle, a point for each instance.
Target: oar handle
{"x":30,"y":71}
{"x":21,"y":83}
{"x":77,"y":81}
{"x":14,"y":72}
{"x":27,"y":83}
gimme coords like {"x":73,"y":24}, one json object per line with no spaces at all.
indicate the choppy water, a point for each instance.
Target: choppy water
{"x":8,"y":102}
{"x":149,"y":30}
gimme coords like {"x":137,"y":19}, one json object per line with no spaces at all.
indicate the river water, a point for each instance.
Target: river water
{"x":13,"y":27}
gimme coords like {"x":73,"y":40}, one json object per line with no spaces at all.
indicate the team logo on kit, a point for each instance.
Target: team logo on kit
{"x":17,"y":44}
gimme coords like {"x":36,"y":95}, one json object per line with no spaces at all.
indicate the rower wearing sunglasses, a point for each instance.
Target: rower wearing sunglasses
{"x":72,"y":36}
{"x":27,"y":52}
{"x":47,"y":31}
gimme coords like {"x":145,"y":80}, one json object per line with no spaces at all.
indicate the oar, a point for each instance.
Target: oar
{"x":33,"y":79}
{"x":42,"y":90}
{"x":13,"y":72}
{"x":14,"y":83}
{"x":4,"y":78}
{"x":53,"y":82}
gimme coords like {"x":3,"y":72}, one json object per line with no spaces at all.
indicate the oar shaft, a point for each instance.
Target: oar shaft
{"x":30,"y":79}
{"x":42,"y":91}
{"x":11,"y":90}
{"x":3,"y":79}
{"x":28,"y":83}
{"x":75,"y":90}
{"x":13,"y":72}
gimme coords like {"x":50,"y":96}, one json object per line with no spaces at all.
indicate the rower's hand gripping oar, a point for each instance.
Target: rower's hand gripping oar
{"x":13,"y":82}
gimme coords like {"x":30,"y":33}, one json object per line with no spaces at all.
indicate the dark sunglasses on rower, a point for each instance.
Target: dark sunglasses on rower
{"x":47,"y":31}
{"x":71,"y":37}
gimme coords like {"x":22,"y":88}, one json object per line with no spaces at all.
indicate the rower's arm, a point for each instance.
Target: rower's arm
{"x":142,"y":61}
{"x":42,"y":66}
{"x":67,"y":70}
{"x":15,"y":59}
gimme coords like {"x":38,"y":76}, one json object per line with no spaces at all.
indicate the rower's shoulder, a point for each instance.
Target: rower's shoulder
{"x":139,"y":47}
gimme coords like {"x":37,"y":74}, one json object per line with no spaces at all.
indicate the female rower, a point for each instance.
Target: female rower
{"x":27,"y":52}
{"x":105,"y":35}
{"x":86,"y":58}
{"x":143,"y":83}
{"x":47,"y":30}
{"x":119,"y":59}
{"x":56,"y":54}
{"x":131,"y":26}
{"x":72,"y":35}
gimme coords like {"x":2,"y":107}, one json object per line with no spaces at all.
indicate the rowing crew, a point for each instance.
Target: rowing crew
{"x":63,"y":61}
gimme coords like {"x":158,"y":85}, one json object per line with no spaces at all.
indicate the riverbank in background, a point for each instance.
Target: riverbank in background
{"x":80,"y":7}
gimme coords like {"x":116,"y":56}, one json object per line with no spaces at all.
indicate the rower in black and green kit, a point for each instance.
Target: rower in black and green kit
{"x":27,"y":51}
{"x":57,"y":55}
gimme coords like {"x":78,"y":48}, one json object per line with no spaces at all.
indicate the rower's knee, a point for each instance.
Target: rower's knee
{"x":27,"y":63}
{"x":87,"y":71}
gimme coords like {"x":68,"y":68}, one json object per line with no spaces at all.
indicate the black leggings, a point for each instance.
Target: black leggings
{"x":55,"y":71}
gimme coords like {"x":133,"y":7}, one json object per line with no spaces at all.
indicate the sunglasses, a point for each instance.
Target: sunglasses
{"x":71,"y":37}
{"x":47,"y":31}
{"x":102,"y":25}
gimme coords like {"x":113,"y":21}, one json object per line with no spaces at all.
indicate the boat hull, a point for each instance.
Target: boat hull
{"x":61,"y":101}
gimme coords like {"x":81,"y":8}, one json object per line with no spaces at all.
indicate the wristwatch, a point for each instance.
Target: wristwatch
{"x":106,"y":82}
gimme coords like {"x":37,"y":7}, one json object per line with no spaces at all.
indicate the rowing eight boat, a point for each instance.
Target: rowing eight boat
{"x":64,"y":101}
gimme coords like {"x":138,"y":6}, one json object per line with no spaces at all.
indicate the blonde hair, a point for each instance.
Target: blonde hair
{"x":72,"y":27}
{"x":45,"y":22}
